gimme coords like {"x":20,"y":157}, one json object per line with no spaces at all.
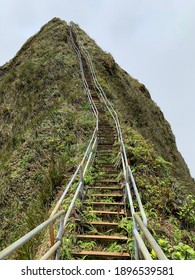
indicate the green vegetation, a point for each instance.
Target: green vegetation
{"x":171,"y":217}
{"x":45,"y":127}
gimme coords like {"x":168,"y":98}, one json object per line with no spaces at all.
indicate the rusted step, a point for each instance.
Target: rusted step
{"x":105,"y":127}
{"x":106,"y":206}
{"x":111,"y":175}
{"x":106,"y":212}
{"x":113,"y":172}
{"x":106,"y":145}
{"x":105,"y":203}
{"x":102,"y":146}
{"x":103,"y":140}
{"x":106,"y":181}
{"x":105,"y":195}
{"x":105,"y":167}
{"x":105,"y":131}
{"x":102,"y":254}
{"x":108,"y":164}
{"x":104,"y":224}
{"x":102,"y":237}
{"x":105,"y":148}
{"x":105,"y":188}
{"x":104,"y":153}
{"x":101,"y":155}
{"x":106,"y":136}
{"x":107,"y":139}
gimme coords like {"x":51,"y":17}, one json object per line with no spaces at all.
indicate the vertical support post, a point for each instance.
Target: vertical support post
{"x":52,"y":236}
{"x":60,"y":235}
{"x":51,"y":233}
{"x":82,"y":181}
{"x":136,"y":246}
{"x":136,"y":249}
{"x":126,"y":181}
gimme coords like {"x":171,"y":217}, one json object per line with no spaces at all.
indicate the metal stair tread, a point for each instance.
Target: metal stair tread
{"x":106,"y":194}
{"x":105,"y":203}
{"x":102,"y":237}
{"x":106,"y":212}
{"x":105,"y":188}
{"x":102,"y":254}
{"x":103,"y":224}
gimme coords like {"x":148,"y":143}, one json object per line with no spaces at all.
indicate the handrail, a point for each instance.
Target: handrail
{"x":81,"y":168}
{"x":119,"y":132}
{"x":20,"y":242}
{"x":150,"y":238}
{"x":138,"y":223}
{"x":93,"y":142}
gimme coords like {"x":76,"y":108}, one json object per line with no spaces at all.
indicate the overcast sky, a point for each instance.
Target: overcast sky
{"x":153,"y":40}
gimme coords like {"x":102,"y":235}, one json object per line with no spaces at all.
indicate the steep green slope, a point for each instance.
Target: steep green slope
{"x":45,"y":128}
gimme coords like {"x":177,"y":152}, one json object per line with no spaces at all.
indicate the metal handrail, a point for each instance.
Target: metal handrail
{"x":138,"y":223}
{"x":24,"y":239}
{"x":150,"y":238}
{"x":118,"y":127}
{"x":93,"y":142}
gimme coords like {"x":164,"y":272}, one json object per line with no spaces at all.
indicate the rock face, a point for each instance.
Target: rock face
{"x":45,"y":123}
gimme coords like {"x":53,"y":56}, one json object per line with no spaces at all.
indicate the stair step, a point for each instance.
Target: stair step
{"x":102,"y":154}
{"x":107,"y":224}
{"x":107,"y":152}
{"x":105,"y":195}
{"x":105,"y":125}
{"x":106,"y":212}
{"x":101,"y":140}
{"x":102,"y":237}
{"x":106,"y":171}
{"x":105,"y":128}
{"x":106,"y":181}
{"x":107,"y":134}
{"x":110,"y":172}
{"x":105,"y":203}
{"x":107,"y":164}
{"x":102,"y":254}
{"x":106,"y":145}
{"x":104,"y":167}
{"x":105,"y":188}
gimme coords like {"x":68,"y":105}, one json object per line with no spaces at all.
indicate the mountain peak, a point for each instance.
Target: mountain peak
{"x":46,"y":124}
